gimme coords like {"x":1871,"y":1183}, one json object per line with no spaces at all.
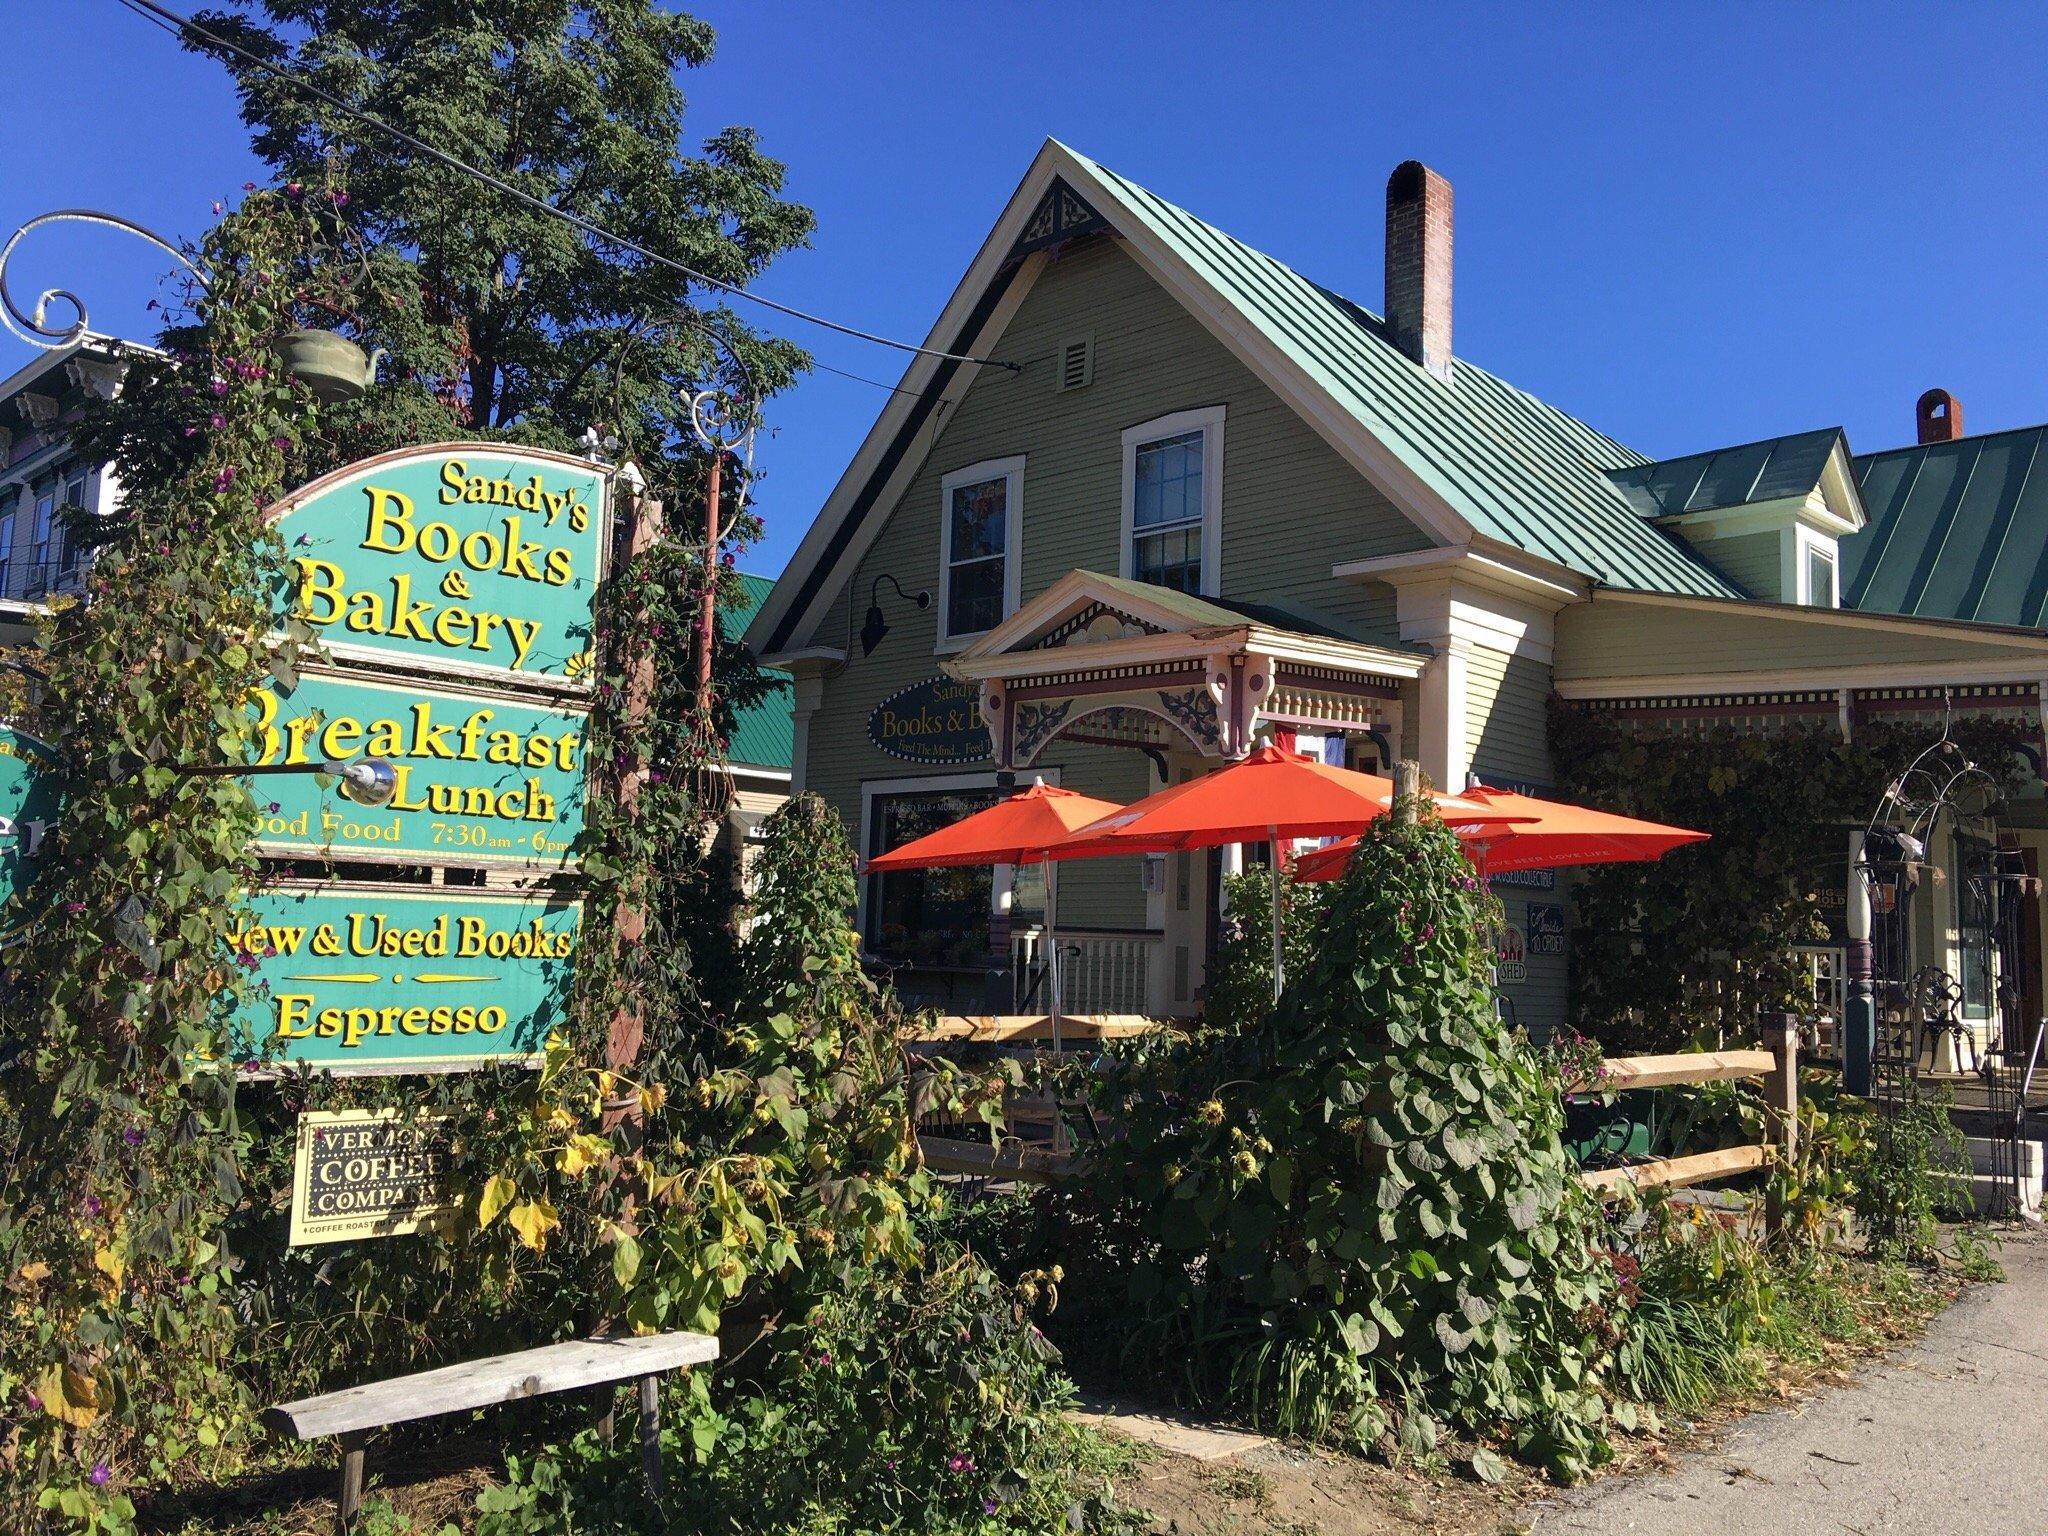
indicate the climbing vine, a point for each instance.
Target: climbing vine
{"x":121,"y":1133}
{"x":1354,"y":1218}
{"x":1676,"y":951}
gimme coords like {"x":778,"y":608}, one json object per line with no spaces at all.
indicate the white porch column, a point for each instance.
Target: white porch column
{"x":1445,"y":755}
{"x":807,"y":693}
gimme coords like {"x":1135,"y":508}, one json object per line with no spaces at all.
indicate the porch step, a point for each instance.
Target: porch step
{"x":1991,"y":1183}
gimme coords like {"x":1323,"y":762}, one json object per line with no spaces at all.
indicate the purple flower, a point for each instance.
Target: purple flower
{"x":99,"y":1474}
{"x":92,"y":1205}
{"x":281,"y":444}
{"x":224,"y":479}
{"x":988,"y":1506}
{"x":248,"y":186}
{"x":217,"y":421}
{"x":273,"y":807}
{"x":219,"y":386}
{"x":216,"y":209}
{"x":132,"y":1136}
{"x":35,"y":1404}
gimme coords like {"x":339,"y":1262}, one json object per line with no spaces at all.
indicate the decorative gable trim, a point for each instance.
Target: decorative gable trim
{"x":1061,"y":215}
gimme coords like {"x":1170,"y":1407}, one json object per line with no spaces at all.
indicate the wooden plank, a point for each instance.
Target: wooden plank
{"x":481,"y":1383}
{"x":1675,"y":1172}
{"x":1684,"y":1067}
{"x":1030,"y":1165}
{"x":998,"y":1028}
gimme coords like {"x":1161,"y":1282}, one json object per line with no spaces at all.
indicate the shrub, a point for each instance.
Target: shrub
{"x":1914,"y":1167}
{"x":1240,"y":977}
{"x":1357,"y":1217}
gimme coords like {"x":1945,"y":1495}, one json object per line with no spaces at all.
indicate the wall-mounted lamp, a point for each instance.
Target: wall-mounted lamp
{"x":874,"y":626}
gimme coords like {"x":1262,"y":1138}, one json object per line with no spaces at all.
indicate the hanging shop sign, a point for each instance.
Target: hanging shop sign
{"x":369,"y":1173}
{"x":29,"y":796}
{"x":472,"y":559}
{"x":937,"y":720}
{"x":1512,"y":955}
{"x":482,"y":779}
{"x":1524,"y":880}
{"x":1544,"y":925}
{"x":355,"y":975}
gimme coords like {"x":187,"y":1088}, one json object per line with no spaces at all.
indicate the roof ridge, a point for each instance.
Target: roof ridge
{"x":1950,"y":442}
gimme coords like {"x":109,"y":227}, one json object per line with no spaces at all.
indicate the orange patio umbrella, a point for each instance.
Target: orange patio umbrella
{"x":1015,"y":830}
{"x":1269,"y":797}
{"x":1549,"y":835}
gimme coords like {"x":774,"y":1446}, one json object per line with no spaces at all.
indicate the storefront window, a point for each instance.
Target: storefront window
{"x":939,"y":918}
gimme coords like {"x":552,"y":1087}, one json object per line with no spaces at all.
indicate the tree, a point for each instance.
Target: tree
{"x":500,"y":319}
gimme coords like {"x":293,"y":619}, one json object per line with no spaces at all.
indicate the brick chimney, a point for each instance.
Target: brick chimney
{"x":1419,"y":265}
{"x":1939,"y":416}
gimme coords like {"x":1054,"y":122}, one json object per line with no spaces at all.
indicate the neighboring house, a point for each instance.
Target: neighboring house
{"x":1213,"y":501}
{"x":759,"y":751}
{"x":40,"y":474}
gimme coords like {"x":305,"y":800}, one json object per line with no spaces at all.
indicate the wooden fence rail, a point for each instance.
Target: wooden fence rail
{"x":1777,"y":1064}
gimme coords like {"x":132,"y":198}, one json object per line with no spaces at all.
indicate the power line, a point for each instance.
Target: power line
{"x":184,"y":27}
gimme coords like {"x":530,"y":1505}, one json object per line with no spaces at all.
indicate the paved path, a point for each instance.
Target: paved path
{"x":1951,"y":1435}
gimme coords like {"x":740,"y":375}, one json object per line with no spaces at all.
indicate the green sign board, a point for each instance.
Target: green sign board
{"x":357,"y":975}
{"x":479,"y":560}
{"x":29,"y":796}
{"x":482,"y":778}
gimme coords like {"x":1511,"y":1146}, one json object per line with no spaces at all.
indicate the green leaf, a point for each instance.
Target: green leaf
{"x":625,"y":1260}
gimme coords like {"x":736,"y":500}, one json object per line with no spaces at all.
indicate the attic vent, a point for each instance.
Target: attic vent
{"x":1077,"y":362}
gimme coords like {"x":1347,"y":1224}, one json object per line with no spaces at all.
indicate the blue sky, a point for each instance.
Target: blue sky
{"x":1690,"y":225}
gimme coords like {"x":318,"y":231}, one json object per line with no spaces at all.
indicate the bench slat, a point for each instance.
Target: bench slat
{"x":496,"y":1379}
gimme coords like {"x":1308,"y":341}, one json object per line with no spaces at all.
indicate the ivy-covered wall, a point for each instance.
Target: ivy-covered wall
{"x":1698,"y":943}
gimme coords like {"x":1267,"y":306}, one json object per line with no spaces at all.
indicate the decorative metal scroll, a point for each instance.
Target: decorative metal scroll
{"x":33,"y":325}
{"x":724,"y":406}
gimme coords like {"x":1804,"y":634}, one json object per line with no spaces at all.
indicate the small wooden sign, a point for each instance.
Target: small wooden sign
{"x":368,"y":1173}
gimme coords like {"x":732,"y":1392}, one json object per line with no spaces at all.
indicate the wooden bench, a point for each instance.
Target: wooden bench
{"x":354,"y":1411}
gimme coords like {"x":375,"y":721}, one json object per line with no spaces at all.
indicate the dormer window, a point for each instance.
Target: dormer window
{"x":1820,"y":577}
{"x":981,"y":518}
{"x":1173,"y":501}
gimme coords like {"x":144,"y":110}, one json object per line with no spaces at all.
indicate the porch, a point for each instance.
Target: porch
{"x":1119,"y":688}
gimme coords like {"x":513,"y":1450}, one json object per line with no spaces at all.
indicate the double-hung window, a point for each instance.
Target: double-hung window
{"x":981,"y":518}
{"x":1173,"y":501}
{"x":49,"y":535}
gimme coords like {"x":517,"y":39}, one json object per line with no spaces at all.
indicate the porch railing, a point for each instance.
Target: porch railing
{"x":1102,"y":971}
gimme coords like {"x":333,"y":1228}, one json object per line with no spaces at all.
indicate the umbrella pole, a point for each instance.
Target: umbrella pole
{"x":1279,"y":978}
{"x":1052,"y":943}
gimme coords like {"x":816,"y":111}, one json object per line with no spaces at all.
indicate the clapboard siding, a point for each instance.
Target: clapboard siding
{"x":1612,"y":638}
{"x":1507,"y":717}
{"x":1755,"y":560}
{"x":1291,"y":509}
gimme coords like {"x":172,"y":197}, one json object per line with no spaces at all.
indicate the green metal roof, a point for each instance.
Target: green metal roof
{"x":1517,"y":470}
{"x":764,"y":733}
{"x":1957,"y":530}
{"x":1729,"y":477}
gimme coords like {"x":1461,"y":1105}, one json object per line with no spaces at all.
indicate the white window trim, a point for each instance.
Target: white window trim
{"x":1011,"y":470}
{"x":1803,"y":542}
{"x":870,"y":789}
{"x":1208,"y":420}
